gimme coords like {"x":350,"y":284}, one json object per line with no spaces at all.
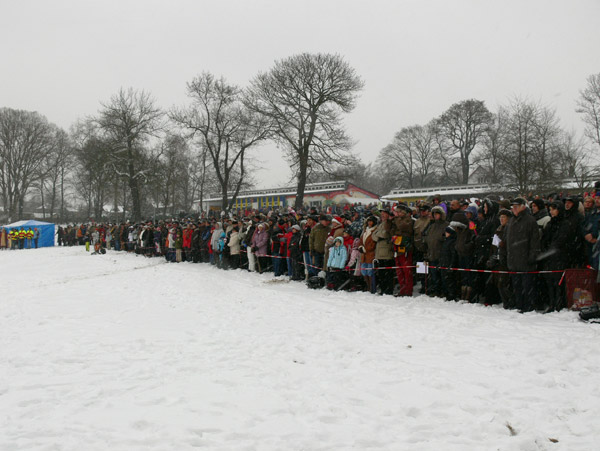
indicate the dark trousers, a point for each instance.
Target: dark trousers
{"x":434,"y":281}
{"x":556,"y":297}
{"x":449,"y":284}
{"x":467,"y":278}
{"x":524,"y":290}
{"x":385,"y":277}
{"x":318,"y":261}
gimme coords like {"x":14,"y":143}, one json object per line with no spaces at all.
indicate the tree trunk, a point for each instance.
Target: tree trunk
{"x":299,"y":203}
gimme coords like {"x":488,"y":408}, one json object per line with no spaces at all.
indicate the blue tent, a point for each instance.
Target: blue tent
{"x":47,"y":231}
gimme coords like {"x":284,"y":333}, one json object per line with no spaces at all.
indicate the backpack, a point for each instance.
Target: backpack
{"x":590,"y":313}
{"x":315,"y":282}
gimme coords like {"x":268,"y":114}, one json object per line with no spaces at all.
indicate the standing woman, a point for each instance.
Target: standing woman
{"x":368,"y":253}
{"x":260,"y":241}
{"x":234,"y":248}
{"x":557,"y":239}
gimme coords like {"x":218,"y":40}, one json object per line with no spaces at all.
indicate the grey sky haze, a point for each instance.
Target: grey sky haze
{"x":61,"y":58}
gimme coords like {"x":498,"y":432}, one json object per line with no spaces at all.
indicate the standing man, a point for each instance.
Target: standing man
{"x":522,"y":249}
{"x":318,"y":236}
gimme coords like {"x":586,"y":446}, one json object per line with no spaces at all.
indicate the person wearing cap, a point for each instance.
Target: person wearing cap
{"x":403,"y":240}
{"x":318,"y":237}
{"x":356,"y":224}
{"x":497,"y":261}
{"x":522,"y":248}
{"x":384,"y":253}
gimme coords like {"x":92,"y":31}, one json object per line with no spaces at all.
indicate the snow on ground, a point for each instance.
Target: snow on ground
{"x":118,"y":352}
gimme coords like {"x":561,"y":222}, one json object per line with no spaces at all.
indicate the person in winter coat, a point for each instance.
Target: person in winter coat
{"x":247,"y":243}
{"x":4,"y":238}
{"x":295,"y":253}
{"x":187,"y":242}
{"x":277,"y":232}
{"x":337,"y":230}
{"x":483,"y":245}
{"x":214,"y":243}
{"x":576,"y":254}
{"x":234,"y":248}
{"x":260,"y":241}
{"x":318,"y":237}
{"x":36,"y":236}
{"x":306,"y":227}
{"x":336,"y":262}
{"x":179,"y":246}
{"x":170,"y":244}
{"x":368,"y":253}
{"x":433,"y":238}
{"x":591,"y":230}
{"x":449,"y":259}
{"x":465,"y":248}
{"x":522,"y":249}
{"x":497,"y":261}
{"x":403,"y":241}
{"x":384,"y":253}
{"x":556,"y":240}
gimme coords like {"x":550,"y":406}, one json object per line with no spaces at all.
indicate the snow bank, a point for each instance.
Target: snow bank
{"x":119,"y":352}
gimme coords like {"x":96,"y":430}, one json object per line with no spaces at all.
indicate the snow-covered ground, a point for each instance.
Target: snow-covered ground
{"x":119,"y":352}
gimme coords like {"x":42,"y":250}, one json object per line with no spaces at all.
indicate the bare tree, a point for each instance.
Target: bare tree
{"x":52,"y":172}
{"x":25,"y":138}
{"x":575,"y":161}
{"x":411,"y":156}
{"x":128,"y":121}
{"x":494,"y":147}
{"x":305,"y":95}
{"x":589,"y":106}
{"x":94,"y":176}
{"x":531,"y":149}
{"x":463,"y":126}
{"x":226,"y":127}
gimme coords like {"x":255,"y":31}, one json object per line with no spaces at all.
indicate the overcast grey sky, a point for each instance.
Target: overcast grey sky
{"x":63,"y":57}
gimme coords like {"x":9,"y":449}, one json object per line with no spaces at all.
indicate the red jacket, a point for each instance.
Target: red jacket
{"x":187,"y":237}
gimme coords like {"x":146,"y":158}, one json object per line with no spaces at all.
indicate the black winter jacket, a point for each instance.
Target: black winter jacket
{"x":522,"y":242}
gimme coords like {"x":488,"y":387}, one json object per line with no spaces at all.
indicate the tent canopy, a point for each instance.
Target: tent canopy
{"x":47,"y":230}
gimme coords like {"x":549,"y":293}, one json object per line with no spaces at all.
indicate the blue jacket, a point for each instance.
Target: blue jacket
{"x":337,"y":255}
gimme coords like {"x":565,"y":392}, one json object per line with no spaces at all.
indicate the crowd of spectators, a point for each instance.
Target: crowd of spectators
{"x":521,"y":247}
